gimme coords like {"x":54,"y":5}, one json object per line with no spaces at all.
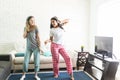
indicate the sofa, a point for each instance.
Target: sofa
{"x":5,"y":66}
{"x":45,"y":60}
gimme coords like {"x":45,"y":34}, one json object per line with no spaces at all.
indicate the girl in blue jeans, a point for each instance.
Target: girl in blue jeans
{"x":31,"y":34}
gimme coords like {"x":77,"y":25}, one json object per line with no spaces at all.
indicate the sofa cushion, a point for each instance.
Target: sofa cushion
{"x":19,"y":60}
{"x":46,"y":60}
{"x":43,"y":60}
{"x":19,"y":54}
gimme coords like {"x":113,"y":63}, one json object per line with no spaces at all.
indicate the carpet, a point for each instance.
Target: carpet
{"x":78,"y":75}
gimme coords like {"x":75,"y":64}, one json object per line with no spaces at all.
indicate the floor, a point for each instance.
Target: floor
{"x":117,"y":73}
{"x":80,"y":68}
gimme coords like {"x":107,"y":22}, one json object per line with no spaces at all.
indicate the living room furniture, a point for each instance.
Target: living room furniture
{"x":101,"y":69}
{"x":45,"y":61}
{"x":5,"y":66}
{"x":16,"y":50}
{"x":81,"y":59}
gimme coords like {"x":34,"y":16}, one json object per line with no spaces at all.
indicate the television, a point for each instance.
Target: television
{"x":104,"y":45}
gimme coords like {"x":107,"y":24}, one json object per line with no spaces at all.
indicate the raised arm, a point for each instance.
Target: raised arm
{"x":64,"y":21}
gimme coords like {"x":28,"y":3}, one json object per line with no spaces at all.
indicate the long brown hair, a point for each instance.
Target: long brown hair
{"x":28,"y":26}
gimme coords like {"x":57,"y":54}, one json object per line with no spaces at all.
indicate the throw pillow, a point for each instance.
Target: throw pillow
{"x":19,"y":54}
{"x":48,"y":53}
{"x":45,"y":49}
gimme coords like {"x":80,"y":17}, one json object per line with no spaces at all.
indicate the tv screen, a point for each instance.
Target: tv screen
{"x":104,"y":45}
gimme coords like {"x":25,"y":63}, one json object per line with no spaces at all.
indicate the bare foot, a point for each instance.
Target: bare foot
{"x":72,"y":78}
{"x":56,"y":76}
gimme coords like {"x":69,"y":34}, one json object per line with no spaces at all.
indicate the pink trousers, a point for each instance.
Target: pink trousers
{"x":57,"y":49}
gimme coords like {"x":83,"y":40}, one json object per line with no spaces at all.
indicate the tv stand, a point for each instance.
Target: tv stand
{"x":102,"y":55}
{"x":101,"y":69}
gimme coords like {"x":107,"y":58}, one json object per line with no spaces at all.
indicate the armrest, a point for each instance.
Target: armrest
{"x":12,"y":53}
{"x":5,"y":57}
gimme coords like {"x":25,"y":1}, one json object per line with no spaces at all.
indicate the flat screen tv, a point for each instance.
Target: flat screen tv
{"x":104,"y":45}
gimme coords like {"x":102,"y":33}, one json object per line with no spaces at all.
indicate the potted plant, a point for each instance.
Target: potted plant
{"x":82,"y":48}
{"x":95,"y":48}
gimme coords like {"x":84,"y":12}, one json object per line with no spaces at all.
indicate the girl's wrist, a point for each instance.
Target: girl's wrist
{"x":27,"y":31}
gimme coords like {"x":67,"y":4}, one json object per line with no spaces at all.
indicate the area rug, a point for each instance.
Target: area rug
{"x":78,"y":75}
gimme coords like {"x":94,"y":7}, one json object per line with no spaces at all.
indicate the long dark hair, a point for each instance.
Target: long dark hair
{"x":58,"y":21}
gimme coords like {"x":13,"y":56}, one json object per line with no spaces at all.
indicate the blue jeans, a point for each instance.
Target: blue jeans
{"x":27,"y":57}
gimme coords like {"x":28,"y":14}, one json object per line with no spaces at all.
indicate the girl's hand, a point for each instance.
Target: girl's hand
{"x":27,"y":29}
{"x":47,"y":41}
{"x":65,"y":21}
{"x":41,"y":50}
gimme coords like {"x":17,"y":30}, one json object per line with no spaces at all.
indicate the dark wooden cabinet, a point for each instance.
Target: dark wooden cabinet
{"x":101,"y":69}
{"x":81,"y":59}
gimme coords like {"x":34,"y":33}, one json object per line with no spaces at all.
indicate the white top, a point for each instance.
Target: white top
{"x":57,"y":34}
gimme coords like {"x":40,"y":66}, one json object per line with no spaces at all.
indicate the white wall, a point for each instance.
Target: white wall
{"x":92,"y":26}
{"x":109,"y":22}
{"x":106,"y":21}
{"x":13,"y":14}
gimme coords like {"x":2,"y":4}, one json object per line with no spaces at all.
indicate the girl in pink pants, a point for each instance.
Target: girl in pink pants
{"x":56,"y":39}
